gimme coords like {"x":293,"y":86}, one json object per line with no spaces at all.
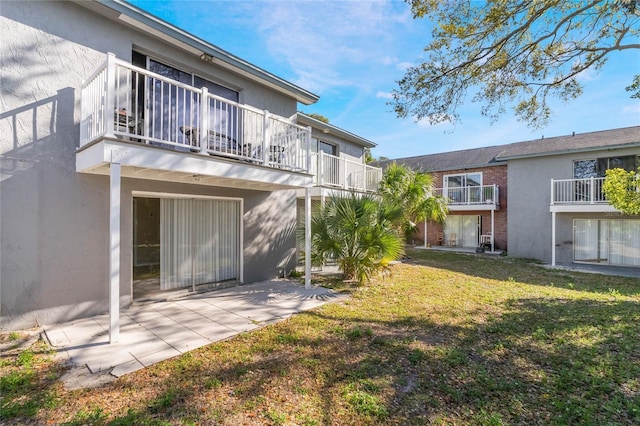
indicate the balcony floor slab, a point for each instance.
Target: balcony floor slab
{"x":148,"y":162}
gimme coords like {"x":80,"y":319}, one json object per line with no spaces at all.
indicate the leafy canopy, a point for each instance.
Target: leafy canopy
{"x":414,"y":192}
{"x":622,"y":189}
{"x":510,"y":52}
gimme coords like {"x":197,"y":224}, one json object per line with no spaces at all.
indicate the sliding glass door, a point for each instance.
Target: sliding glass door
{"x":199,"y":242}
{"x":608,"y":241}
{"x":462,"y":230}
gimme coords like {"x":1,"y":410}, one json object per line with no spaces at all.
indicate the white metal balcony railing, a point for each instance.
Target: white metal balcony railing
{"x":125,"y":101}
{"x":470,"y":195}
{"x":577,"y":191}
{"x":337,"y":172}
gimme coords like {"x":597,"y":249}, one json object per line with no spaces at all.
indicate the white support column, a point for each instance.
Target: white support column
{"x":553,"y":238}
{"x":114,"y":251}
{"x":493,"y":231}
{"x":307,"y":238}
{"x":425,"y":233}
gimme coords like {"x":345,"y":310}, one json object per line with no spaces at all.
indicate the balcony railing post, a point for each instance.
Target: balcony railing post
{"x":110,"y":114}
{"x":308,"y":148}
{"x":321,"y":167}
{"x":552,"y":194}
{"x":265,"y":137}
{"x":592,"y":191}
{"x":204,"y":121}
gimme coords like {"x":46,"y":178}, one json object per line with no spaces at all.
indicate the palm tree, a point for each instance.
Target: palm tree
{"x":358,"y":232}
{"x":415,"y":192}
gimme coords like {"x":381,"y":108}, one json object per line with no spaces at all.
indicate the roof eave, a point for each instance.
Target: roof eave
{"x":567,"y":151}
{"x":331,"y":129}
{"x":151,"y":24}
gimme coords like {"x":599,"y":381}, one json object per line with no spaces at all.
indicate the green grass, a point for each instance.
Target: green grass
{"x":447,"y":339}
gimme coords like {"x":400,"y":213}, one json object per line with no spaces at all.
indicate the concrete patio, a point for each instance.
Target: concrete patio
{"x":157,"y":331}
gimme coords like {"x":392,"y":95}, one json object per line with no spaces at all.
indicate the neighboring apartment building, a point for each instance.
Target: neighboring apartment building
{"x":475,"y":185}
{"x":138,"y":159}
{"x":556,"y":211}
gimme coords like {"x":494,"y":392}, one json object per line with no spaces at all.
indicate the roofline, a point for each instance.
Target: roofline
{"x":466,"y":167}
{"x":446,"y":169}
{"x":331,"y":129}
{"x":568,"y":151}
{"x":149,"y":23}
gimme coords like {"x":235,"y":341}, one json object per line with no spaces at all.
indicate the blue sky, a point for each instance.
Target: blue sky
{"x":351,"y":53}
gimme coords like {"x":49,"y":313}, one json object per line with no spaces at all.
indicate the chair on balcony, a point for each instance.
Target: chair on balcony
{"x":453,"y":239}
{"x":216,"y":141}
{"x":440,"y":238}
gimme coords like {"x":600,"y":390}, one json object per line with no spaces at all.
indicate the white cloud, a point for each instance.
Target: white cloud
{"x":384,"y":95}
{"x":323,"y":41}
{"x":403,"y":66}
{"x":388,"y":60}
{"x":632,"y":109}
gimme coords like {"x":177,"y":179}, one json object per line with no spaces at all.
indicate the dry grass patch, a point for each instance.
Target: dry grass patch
{"x":447,"y":339}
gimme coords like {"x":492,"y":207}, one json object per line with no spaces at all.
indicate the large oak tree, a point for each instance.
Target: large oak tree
{"x":513,"y":52}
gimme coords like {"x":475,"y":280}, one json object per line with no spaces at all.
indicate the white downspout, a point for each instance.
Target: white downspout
{"x":425,"y":233}
{"x":114,"y":251}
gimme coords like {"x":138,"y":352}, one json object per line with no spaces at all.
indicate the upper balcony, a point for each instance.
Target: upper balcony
{"x":330,"y":171}
{"x":468,"y":198}
{"x":159,"y":128}
{"x":579,"y":195}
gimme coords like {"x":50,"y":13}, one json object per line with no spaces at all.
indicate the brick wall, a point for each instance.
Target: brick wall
{"x":490,"y":175}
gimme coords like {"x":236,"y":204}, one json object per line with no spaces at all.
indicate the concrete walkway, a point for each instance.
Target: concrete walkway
{"x":157,"y":331}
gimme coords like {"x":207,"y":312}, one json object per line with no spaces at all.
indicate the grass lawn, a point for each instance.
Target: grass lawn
{"x":447,"y":339}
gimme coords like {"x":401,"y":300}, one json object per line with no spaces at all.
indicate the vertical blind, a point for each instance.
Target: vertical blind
{"x":199,"y":242}
{"x":612,"y":241}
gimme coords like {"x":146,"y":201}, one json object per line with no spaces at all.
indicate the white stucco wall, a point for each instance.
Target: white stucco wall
{"x":54,"y":221}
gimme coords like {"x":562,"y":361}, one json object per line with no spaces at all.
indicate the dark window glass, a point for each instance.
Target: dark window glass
{"x":584,"y":169}
{"x":216,"y":89}
{"x":327,"y":148}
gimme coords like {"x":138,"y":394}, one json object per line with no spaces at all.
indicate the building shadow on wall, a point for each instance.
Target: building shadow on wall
{"x":37,"y":165}
{"x":274,"y":245}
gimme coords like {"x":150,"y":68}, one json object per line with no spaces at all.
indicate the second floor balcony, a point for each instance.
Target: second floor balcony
{"x":160,"y":128}
{"x":335,"y":172}
{"x":576,"y":195}
{"x":478,"y":197}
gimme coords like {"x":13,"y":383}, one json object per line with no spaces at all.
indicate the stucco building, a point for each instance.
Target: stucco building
{"x":550,"y":204}
{"x":139,"y":159}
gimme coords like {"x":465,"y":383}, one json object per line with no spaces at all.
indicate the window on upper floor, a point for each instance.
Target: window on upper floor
{"x":463,"y":187}
{"x":463,"y":180}
{"x":321,"y":146}
{"x":584,"y":169}
{"x":172,"y":112}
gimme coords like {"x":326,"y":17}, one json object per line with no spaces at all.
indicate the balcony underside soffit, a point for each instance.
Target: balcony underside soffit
{"x":148,"y":162}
